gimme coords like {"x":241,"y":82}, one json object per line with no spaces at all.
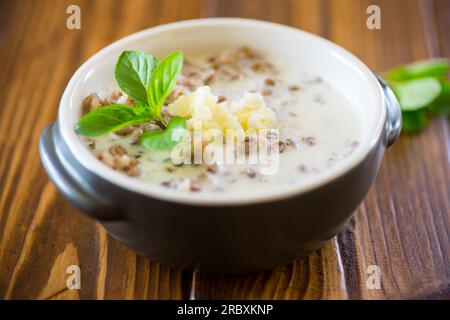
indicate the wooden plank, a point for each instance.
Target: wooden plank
{"x":442,"y":11}
{"x":402,"y":226}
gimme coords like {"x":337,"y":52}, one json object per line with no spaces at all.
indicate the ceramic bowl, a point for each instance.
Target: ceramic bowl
{"x":226,"y":234}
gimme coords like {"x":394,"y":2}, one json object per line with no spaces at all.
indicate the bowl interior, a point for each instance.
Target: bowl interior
{"x":313,"y":54}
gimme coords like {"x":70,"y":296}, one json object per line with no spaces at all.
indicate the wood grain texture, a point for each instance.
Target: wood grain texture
{"x":403,"y":225}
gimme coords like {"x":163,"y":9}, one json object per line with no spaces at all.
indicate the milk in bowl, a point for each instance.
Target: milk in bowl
{"x":305,"y":120}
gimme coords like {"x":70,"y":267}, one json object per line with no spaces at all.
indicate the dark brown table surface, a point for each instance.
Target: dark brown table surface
{"x":403,"y":225}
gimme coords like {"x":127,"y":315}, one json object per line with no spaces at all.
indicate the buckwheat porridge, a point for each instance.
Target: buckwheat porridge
{"x":241,"y":90}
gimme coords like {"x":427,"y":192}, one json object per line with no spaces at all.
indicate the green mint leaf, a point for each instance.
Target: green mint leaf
{"x":437,"y":68}
{"x":442,"y":104}
{"x":167,"y":139}
{"x":163,"y":80}
{"x":414,"y":121}
{"x":142,"y":106}
{"x":418,"y":93}
{"x":133,"y":72}
{"x":110,"y":118}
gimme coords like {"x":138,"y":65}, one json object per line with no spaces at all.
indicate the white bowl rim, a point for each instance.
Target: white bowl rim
{"x":86,"y":158}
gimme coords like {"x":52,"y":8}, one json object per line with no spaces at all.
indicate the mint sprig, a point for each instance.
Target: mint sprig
{"x":417,"y":93}
{"x":163,"y":80}
{"x":167,"y":139}
{"x":422,"y":89}
{"x":111,"y":118}
{"x":133,"y":73}
{"x":438,"y":68}
{"x":147,"y":81}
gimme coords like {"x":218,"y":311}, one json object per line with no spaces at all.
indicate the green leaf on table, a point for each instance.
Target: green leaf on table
{"x":414,"y":121}
{"x":110,"y":118}
{"x":133,"y":72}
{"x":442,"y":104}
{"x":163,"y":80}
{"x":167,"y":139}
{"x":437,"y":68}
{"x":418,"y":93}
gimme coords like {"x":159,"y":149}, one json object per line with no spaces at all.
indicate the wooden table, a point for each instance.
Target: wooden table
{"x":403,"y":226}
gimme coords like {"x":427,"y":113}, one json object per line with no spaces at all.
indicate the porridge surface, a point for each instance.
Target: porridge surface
{"x":318,"y":127}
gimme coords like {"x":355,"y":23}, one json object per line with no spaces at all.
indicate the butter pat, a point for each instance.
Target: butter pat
{"x":203,"y":111}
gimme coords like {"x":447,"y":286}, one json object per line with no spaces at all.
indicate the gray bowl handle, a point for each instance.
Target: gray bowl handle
{"x":71,"y":189}
{"x":394,"y":114}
